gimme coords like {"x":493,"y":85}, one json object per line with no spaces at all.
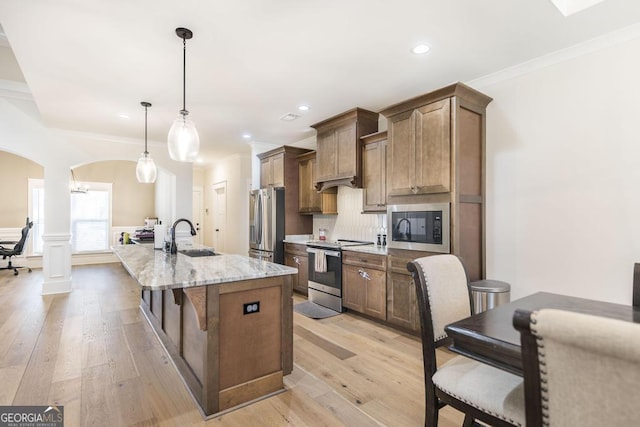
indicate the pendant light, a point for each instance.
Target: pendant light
{"x":146,"y":170}
{"x":184,"y":142}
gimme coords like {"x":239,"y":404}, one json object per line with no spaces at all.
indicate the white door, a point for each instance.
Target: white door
{"x":196,"y":215}
{"x":219,"y":215}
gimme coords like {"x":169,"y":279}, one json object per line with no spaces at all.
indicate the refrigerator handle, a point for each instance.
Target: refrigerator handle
{"x":259,"y":218}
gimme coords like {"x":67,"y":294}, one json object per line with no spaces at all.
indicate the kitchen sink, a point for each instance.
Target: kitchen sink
{"x":197,"y":252}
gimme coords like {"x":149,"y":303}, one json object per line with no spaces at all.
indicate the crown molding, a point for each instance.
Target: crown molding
{"x":610,"y":39}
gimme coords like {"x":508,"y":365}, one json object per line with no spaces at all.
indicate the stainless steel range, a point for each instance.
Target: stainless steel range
{"x":325,"y":271}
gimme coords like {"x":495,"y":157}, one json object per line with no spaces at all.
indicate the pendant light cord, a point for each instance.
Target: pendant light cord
{"x":184,"y":111}
{"x":145,"y":130}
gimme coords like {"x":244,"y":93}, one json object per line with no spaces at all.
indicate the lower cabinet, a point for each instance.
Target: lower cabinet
{"x":364,"y":287}
{"x":402,"y":305}
{"x":295,"y":255}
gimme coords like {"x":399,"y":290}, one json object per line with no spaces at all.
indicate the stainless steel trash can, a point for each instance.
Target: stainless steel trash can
{"x":487,"y":294}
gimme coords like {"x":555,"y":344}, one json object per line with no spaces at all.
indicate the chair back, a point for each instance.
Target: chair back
{"x":442,"y":291}
{"x":579,"y":370}
{"x":19,"y":247}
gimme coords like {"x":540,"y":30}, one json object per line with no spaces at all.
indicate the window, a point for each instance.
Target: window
{"x":91,"y":218}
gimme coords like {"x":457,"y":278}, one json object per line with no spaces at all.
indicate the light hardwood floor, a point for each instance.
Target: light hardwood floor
{"x":93,"y":352}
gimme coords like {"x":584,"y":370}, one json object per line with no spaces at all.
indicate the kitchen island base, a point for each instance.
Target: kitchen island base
{"x":232,"y":343}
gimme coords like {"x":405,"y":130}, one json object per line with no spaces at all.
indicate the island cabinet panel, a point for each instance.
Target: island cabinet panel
{"x":253,"y":342}
{"x":227,"y":355}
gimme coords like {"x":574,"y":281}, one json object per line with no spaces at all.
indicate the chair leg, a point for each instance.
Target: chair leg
{"x":431,"y":413}
{"x":468,"y":421}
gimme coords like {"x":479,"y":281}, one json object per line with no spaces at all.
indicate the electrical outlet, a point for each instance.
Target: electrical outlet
{"x":251,"y":307}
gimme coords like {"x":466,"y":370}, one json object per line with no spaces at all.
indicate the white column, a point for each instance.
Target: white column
{"x":56,"y":256}
{"x":56,"y":263}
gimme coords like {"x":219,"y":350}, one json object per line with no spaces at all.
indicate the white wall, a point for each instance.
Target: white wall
{"x":236,"y":172}
{"x":563,"y":180}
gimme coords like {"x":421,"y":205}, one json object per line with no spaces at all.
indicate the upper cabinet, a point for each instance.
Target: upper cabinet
{"x":374,"y":172}
{"x":311,"y":201}
{"x":338,"y":160}
{"x":272,"y":170}
{"x":279,"y":168}
{"x":419,"y":156}
{"x":435,"y":154}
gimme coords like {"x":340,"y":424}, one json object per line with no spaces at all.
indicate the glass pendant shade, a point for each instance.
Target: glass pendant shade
{"x":146,"y":170}
{"x":184,"y":142}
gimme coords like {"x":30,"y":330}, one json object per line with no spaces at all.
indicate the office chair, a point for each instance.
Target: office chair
{"x":17,"y":249}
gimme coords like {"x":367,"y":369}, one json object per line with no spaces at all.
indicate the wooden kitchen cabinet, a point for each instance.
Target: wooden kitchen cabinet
{"x":364,"y":283}
{"x":402,"y":303}
{"x":419,"y":157}
{"x":436,"y":154}
{"x":272,"y":171}
{"x":374,"y":172}
{"x":295,"y":255}
{"x":339,"y":159}
{"x":311,"y":201}
{"x":279,"y":168}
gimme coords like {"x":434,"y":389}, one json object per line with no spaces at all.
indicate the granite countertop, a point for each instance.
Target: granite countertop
{"x":155,"y":270}
{"x":369,"y":249}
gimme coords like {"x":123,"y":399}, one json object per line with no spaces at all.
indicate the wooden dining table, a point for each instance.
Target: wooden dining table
{"x":490,"y":337}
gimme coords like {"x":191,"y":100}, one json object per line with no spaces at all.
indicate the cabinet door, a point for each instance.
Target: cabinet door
{"x":375,"y":303}
{"x":302,"y":263}
{"x":326,"y":156}
{"x":309,"y":199}
{"x":277,"y":170}
{"x":401,"y":159}
{"x":374,"y":176}
{"x":347,"y":155}
{"x":353,"y":288}
{"x":289,"y":261}
{"x":401,"y":301}
{"x":433,"y":148}
{"x":265,"y":172}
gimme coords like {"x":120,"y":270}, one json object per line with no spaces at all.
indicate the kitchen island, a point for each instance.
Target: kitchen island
{"x":226,"y":321}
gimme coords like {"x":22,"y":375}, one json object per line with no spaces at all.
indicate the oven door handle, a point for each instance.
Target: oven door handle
{"x":327,"y":253}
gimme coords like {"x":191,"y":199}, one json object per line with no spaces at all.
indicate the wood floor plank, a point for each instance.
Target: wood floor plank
{"x":100,"y":359}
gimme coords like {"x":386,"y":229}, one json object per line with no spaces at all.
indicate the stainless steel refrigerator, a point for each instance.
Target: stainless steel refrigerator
{"x":266,"y":224}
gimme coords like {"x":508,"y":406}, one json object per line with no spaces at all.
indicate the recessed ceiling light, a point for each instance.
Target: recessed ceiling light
{"x":123,"y":116}
{"x":303,"y":108}
{"x":420,"y":49}
{"x":289,"y":117}
{"x":246,"y":135}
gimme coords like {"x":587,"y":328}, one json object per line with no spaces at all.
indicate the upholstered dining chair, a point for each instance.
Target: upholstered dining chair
{"x":579,"y":369}
{"x":478,"y":390}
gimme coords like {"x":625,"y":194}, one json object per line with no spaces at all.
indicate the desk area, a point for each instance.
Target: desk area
{"x":490,"y":337}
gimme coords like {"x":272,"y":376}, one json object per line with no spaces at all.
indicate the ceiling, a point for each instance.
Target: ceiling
{"x":252,"y":61}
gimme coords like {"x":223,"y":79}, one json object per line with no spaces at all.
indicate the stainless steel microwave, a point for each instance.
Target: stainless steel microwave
{"x":420,"y":227}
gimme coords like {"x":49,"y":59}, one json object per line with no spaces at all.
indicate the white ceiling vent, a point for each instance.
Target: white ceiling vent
{"x":289,"y":117}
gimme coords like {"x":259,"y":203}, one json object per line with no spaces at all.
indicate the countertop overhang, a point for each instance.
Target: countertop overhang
{"x":156,"y":270}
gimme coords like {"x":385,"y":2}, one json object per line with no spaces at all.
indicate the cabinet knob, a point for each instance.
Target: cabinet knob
{"x":296,"y":260}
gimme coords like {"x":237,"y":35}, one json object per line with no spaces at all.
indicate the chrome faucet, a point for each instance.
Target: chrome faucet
{"x":174,"y":247}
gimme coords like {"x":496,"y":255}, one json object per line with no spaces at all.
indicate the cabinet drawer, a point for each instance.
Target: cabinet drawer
{"x":296,"y":249}
{"x":399,"y":258}
{"x":361,"y":259}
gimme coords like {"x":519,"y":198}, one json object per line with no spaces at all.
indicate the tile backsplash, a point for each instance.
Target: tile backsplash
{"x":350,"y":223}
